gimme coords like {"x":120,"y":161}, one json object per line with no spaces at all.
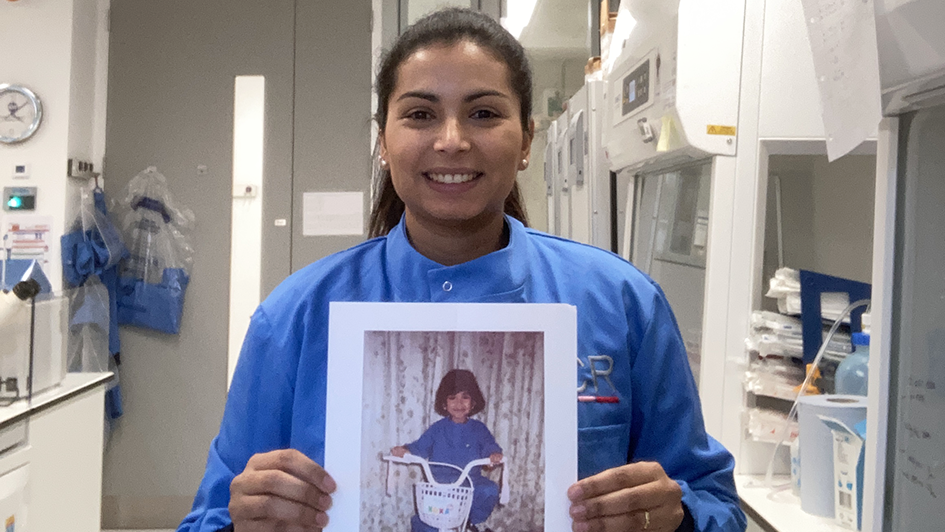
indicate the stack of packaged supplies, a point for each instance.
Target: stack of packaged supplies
{"x":776,"y":351}
{"x":785,"y":286}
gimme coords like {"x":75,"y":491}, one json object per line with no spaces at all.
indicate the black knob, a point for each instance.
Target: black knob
{"x":26,"y":289}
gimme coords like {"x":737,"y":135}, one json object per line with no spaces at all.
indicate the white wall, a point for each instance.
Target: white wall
{"x":54,"y":47}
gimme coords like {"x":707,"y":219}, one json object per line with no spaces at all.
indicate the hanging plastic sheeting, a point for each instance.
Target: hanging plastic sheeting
{"x":91,"y":252}
{"x":154,"y":278}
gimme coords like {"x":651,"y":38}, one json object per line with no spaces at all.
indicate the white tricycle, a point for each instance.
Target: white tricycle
{"x":445,"y":506}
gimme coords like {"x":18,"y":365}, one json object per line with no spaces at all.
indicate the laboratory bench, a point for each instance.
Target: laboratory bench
{"x":779,"y":510}
{"x":51,"y":456}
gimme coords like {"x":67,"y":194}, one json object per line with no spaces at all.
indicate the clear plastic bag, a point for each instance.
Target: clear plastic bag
{"x":88,"y":327}
{"x":154,"y":278}
{"x":91,"y":250}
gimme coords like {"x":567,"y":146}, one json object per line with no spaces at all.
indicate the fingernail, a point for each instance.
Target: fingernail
{"x":581,"y":527}
{"x":329,"y":484}
{"x":578,"y":511}
{"x":321,"y":520}
{"x":575,"y":493}
{"x":324,"y":501}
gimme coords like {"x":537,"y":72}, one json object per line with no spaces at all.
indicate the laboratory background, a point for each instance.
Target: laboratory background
{"x":776,"y":165}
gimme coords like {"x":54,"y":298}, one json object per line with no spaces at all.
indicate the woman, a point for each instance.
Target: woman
{"x":454,"y":99}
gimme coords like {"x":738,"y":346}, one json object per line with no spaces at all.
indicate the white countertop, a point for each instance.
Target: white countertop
{"x":74,"y":384}
{"x":780,"y":509}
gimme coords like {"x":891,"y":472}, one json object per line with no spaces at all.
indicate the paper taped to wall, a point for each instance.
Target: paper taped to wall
{"x":846,"y":62}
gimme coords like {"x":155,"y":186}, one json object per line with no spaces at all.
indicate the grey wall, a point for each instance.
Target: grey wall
{"x":332,"y":112}
{"x":827,"y":211}
{"x":171,"y":71}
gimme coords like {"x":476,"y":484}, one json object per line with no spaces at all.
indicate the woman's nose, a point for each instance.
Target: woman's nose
{"x":451,"y":137}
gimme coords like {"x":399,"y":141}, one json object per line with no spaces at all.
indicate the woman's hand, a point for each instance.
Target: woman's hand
{"x":399,"y":451}
{"x":496,"y":458}
{"x":628,"y":498}
{"x":280,"y":490}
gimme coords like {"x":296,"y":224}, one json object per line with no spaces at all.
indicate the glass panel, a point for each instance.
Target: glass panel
{"x":670,"y":238}
{"x":916,"y":451}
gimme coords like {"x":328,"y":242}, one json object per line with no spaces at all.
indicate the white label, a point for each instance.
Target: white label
{"x":332,"y":213}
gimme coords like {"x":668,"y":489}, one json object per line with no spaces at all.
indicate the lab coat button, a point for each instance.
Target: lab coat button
{"x":447,"y":286}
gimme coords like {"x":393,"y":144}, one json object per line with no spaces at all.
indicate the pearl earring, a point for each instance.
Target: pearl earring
{"x":383,"y":163}
{"x":524,"y":164}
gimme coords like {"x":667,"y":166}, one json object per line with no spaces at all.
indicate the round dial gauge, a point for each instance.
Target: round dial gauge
{"x":21,"y":112}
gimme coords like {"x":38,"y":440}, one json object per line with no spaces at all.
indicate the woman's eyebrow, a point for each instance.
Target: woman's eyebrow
{"x":433,"y":98}
{"x":483,"y":94}
{"x":419,"y":94}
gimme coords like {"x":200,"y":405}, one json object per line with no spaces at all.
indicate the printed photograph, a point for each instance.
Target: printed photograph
{"x":452,"y":432}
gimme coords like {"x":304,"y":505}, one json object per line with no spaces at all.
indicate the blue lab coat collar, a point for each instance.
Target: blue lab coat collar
{"x":499,"y":276}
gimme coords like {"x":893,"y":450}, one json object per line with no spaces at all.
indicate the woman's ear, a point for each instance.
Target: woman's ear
{"x":527,"y":139}
{"x":382,"y":146}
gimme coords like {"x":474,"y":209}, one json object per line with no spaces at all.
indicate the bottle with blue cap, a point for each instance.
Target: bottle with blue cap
{"x":852,"y":377}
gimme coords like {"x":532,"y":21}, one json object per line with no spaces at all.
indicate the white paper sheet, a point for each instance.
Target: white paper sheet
{"x":846,"y":62}
{"x":332,"y":213}
{"x":348,"y":450}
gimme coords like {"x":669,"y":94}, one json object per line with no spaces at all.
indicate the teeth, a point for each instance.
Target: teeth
{"x":451,"y":178}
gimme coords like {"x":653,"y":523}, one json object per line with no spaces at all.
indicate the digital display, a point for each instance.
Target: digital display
{"x":636,"y":88}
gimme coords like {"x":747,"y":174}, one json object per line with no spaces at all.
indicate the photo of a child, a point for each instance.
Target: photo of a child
{"x":435,"y":402}
{"x":457,"y":439}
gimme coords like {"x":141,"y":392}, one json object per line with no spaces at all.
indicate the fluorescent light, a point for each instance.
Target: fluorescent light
{"x":519,"y":14}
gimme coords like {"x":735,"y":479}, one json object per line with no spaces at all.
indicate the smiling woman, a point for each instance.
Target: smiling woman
{"x":454,"y":97}
{"x":454,"y":144}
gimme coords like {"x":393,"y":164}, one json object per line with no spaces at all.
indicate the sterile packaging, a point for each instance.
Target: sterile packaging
{"x":91,"y":251}
{"x":766,"y":425}
{"x":785,"y":286}
{"x":154,"y":278}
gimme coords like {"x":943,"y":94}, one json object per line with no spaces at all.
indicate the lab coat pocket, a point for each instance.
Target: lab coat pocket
{"x":602,"y":448}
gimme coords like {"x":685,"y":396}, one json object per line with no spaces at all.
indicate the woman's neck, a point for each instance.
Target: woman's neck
{"x":454,"y":245}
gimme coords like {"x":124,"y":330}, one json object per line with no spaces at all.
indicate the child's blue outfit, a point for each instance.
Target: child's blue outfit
{"x":629,"y":347}
{"x":459,"y":443}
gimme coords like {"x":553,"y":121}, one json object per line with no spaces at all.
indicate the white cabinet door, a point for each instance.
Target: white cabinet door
{"x":66,"y":465}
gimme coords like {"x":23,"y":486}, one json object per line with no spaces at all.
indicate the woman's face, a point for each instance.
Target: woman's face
{"x":459,"y":405}
{"x":453,"y":136}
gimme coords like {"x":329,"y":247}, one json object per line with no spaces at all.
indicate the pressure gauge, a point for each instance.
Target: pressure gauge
{"x":21,"y":112}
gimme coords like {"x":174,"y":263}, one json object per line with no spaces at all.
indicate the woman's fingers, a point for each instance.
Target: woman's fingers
{"x":296,"y":464}
{"x":618,"y":478}
{"x":281,"y":484}
{"x":633,"y":497}
{"x":640,"y":521}
{"x":281,"y":491}
{"x":270,"y":508}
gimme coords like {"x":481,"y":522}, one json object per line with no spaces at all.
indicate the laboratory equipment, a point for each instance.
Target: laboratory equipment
{"x":31,"y":362}
{"x":667,"y":108}
{"x":588,"y":173}
{"x":852,"y":376}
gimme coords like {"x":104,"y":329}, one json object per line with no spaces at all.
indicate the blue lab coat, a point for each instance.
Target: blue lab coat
{"x":623,"y":319}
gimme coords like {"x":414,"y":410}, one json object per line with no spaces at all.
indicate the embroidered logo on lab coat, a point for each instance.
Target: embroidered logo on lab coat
{"x":599,"y":367}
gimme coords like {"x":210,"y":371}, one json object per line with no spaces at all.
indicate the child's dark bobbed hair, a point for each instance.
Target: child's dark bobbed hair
{"x":455,"y":381}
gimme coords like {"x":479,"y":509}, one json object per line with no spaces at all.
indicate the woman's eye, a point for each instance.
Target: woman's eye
{"x":485,"y":114}
{"x":419,"y":115}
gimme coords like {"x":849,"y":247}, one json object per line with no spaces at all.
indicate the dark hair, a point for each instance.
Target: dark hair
{"x":446,"y":27}
{"x":454,"y":382}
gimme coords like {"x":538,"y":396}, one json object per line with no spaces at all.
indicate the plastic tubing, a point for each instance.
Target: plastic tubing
{"x":769,"y":473}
